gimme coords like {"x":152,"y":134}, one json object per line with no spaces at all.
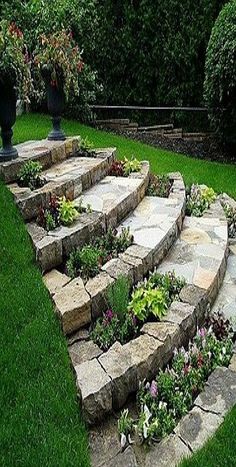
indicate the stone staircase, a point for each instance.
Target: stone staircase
{"x":195,"y":248}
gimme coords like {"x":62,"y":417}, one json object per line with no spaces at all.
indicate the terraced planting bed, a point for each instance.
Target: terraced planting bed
{"x":176,"y":259}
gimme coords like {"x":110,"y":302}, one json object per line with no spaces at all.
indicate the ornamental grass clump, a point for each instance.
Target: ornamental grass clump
{"x":14,"y":60}
{"x":163,"y":401}
{"x":199,"y":199}
{"x":58,"y":59}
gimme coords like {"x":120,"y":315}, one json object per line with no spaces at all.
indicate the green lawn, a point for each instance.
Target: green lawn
{"x":40,"y":421}
{"x":222,"y":177}
{"x":220,"y":451}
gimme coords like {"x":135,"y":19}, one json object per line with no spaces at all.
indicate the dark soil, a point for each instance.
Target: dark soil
{"x":209,"y":148}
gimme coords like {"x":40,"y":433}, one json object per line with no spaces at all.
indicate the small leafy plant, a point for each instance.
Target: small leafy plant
{"x":167,"y":398}
{"x":153,"y":297}
{"x":84,"y":262}
{"x":116,"y":324}
{"x":59,"y":211}
{"x":159,"y":185}
{"x":230,"y":213}
{"x":107,"y":247}
{"x":30,"y":175}
{"x":67,"y":211}
{"x":131,"y":165}
{"x":199,"y":199}
{"x":86,"y":147}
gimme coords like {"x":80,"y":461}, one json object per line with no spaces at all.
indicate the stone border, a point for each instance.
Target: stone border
{"x":134,"y":263}
{"x":105,"y":382}
{"x":199,"y":425}
{"x":44,"y":151}
{"x":69,"y":185}
{"x":53,"y":247}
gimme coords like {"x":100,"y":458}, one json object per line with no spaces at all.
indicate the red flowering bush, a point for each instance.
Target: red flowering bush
{"x":59,"y":61}
{"x":14,"y":60}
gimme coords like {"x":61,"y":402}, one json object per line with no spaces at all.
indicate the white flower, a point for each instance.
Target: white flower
{"x":162,"y":405}
{"x":147,"y":413}
{"x":123,"y":440}
{"x":224,"y":351}
{"x":145,"y":431}
{"x":175,"y":352}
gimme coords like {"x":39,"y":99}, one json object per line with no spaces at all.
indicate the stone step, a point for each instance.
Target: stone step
{"x":44,"y":151}
{"x":110,"y":200}
{"x":200,"y":255}
{"x":155,"y":224}
{"x":67,"y":178}
{"x":168,"y":126}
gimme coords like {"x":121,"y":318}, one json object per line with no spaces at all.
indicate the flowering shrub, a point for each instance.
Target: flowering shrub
{"x":230,"y":213}
{"x":14,"y":60}
{"x":116,"y":324}
{"x":126,"y":315}
{"x":171,"y":395}
{"x":60,"y":211}
{"x":59,"y":60}
{"x":30,"y":175}
{"x":99,"y":252}
{"x":159,"y":185}
{"x":199,"y":200}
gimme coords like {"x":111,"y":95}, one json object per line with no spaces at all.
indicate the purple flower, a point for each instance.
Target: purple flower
{"x":109,"y":314}
{"x":202,"y":332}
{"x":153,"y":389}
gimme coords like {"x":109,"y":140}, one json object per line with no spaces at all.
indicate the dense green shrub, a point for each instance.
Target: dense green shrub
{"x":220,"y":80}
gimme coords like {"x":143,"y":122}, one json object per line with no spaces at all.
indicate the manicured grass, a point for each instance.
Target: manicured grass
{"x":222,"y":177}
{"x":40,"y":423}
{"x":220,"y":451}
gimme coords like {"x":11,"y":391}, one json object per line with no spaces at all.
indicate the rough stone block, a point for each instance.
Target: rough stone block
{"x":119,"y":365}
{"x":55,"y":280}
{"x":196,"y":427}
{"x":116,"y":267}
{"x":147,"y":354}
{"x":73,"y":306}
{"x":184,"y":315}
{"x":97,"y":289}
{"x":94,"y":386}
{"x":143,"y":253}
{"x":123,"y":459}
{"x":167,"y":453}
{"x":49,"y":252}
{"x":219,"y":394}
{"x":167,"y":333}
{"x":198,"y":298}
{"x":137,"y":265}
{"x":83,"y":351}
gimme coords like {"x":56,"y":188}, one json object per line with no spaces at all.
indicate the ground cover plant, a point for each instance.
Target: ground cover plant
{"x":149,"y":300}
{"x":162,"y":402}
{"x":40,"y":417}
{"x":88,"y":260}
{"x":199,"y":199}
{"x":86,"y":147}
{"x":159,"y":185}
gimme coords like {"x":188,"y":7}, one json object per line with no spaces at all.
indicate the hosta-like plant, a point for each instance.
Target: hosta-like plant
{"x":199,"y":199}
{"x":146,"y":301}
{"x":67,"y":211}
{"x":131,"y":165}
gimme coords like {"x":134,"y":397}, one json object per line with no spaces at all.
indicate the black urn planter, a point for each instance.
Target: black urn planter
{"x":56,"y":105}
{"x":7,"y":120}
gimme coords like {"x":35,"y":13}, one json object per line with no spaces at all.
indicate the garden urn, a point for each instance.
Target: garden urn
{"x":7,"y":120}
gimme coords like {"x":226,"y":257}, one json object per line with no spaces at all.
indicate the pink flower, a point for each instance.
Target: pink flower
{"x":202,"y":332}
{"x":154,"y":389}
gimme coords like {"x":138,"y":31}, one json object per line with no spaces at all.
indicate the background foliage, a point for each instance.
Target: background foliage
{"x":220,"y":82}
